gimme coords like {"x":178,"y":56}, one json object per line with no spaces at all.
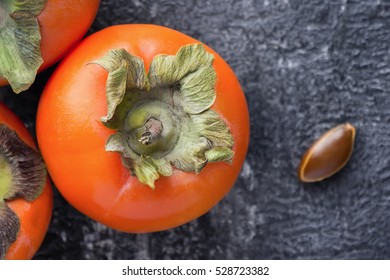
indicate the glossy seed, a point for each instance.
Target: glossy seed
{"x":328,"y":154}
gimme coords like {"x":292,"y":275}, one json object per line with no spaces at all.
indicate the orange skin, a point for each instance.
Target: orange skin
{"x":34,"y":216}
{"x":72,"y":138}
{"x":63,"y":23}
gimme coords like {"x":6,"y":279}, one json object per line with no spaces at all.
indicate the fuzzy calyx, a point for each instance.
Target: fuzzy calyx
{"x":20,"y":39}
{"x":163,"y":117}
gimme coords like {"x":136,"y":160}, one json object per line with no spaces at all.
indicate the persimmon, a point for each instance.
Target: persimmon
{"x":26,"y":200}
{"x":35,"y":34}
{"x":143,"y":128}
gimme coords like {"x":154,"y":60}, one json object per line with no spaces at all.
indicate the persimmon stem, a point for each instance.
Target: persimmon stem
{"x":153,"y":129}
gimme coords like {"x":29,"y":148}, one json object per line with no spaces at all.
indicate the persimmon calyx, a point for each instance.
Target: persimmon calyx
{"x":163,"y":117}
{"x":20,"y":39}
{"x":22,"y":174}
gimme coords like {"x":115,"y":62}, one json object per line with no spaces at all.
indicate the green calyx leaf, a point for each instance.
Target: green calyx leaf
{"x":22,"y":174}
{"x":20,"y":38}
{"x":145,"y":171}
{"x":166,"y":70}
{"x":219,"y":154}
{"x":126,"y":72}
{"x":163,"y":118}
{"x":149,"y":170}
{"x":198,"y":90}
{"x":210,"y":125}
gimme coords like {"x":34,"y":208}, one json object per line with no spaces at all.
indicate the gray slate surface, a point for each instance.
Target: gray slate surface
{"x":305,"y":66}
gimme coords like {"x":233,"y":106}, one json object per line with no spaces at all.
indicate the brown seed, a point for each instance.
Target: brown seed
{"x":328,"y":154}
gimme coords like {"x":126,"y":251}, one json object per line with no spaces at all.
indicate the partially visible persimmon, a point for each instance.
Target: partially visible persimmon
{"x":26,"y":199}
{"x":46,"y":30}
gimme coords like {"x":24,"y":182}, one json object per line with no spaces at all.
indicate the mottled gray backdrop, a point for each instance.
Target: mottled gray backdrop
{"x":305,"y":66}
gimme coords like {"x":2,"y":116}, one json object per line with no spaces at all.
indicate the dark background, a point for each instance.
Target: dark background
{"x":305,"y":66}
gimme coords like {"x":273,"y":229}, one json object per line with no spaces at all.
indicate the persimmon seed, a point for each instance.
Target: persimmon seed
{"x":328,"y":154}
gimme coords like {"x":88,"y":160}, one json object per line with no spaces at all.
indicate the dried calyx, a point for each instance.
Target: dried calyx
{"x":163,"y":117}
{"x":22,"y":174}
{"x":20,"y":38}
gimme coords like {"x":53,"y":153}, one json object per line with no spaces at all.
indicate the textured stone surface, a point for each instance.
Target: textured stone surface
{"x":305,"y":66}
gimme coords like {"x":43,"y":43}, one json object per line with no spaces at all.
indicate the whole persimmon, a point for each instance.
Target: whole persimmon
{"x":143,"y":128}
